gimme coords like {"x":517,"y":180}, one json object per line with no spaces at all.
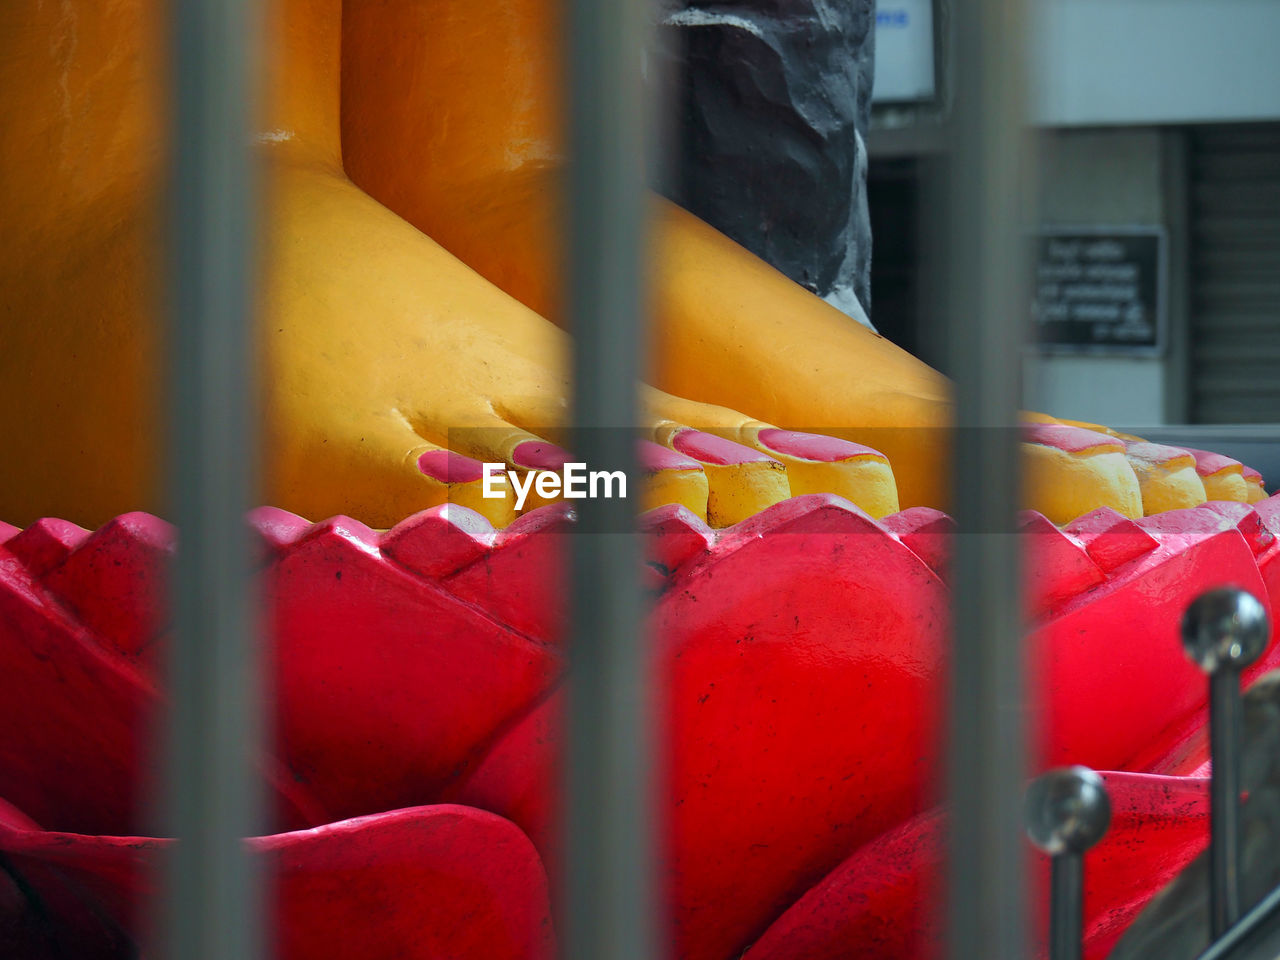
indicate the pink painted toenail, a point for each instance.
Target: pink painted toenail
{"x":813,"y":446}
{"x":715,"y":450}
{"x":1209,"y":463}
{"x":653,"y":457}
{"x":1070,"y":439}
{"x":537,"y":455}
{"x":1156,"y":452}
{"x":449,"y":467}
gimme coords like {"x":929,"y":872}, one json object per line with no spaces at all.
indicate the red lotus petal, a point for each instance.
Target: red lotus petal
{"x":1110,"y":538}
{"x":804,"y":635}
{"x":883,"y":901}
{"x":114,"y":582}
{"x":801,"y":653}
{"x":802,"y":664}
{"x":521,"y":581}
{"x":519,"y":778}
{"x":749,"y":777}
{"x":45,"y":543}
{"x":927,"y":532}
{"x":76,"y":718}
{"x":426,"y":882}
{"x":388,"y":682}
{"x":1115,"y":689}
{"x":1058,"y":567}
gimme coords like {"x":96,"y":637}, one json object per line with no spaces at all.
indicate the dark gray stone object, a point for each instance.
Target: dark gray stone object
{"x":773,"y":98}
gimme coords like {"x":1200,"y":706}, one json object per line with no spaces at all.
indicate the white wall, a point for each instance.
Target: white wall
{"x":1089,"y":178}
{"x":1117,"y":391}
{"x":1155,"y":61}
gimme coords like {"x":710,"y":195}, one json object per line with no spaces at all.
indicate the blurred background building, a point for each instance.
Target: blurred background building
{"x":1159,"y":175}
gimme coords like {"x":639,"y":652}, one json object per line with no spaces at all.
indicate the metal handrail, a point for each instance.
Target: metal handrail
{"x":1260,"y":925}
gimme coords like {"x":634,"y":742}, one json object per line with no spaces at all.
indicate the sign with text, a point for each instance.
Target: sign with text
{"x":1099,"y":290}
{"x":904,"y":51}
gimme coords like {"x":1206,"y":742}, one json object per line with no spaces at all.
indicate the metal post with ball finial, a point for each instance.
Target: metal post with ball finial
{"x":1068,"y":811}
{"x":1224,"y":631}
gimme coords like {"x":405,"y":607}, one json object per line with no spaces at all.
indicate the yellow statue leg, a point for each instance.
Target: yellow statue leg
{"x":380,"y":346}
{"x":81,"y":153}
{"x":730,"y":330}
{"x":380,"y":350}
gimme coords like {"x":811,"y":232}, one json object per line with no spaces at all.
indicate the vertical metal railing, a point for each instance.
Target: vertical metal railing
{"x":608,"y":907}
{"x":213,"y":908}
{"x":986,"y":311}
{"x":1068,"y":811}
{"x":1224,"y":631}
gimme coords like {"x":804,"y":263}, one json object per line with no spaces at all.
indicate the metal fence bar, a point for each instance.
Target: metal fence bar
{"x":1225,"y":709}
{"x":213,"y":907}
{"x":1255,"y":936}
{"x":1068,"y":811}
{"x":609,"y":911}
{"x":1224,"y":631}
{"x":986,"y":312}
{"x":1066,"y":907}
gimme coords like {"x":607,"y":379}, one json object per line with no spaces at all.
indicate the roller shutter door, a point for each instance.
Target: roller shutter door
{"x":1235,"y":278}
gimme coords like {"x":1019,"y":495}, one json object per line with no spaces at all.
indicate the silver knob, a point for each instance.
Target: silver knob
{"x":1225,"y":627}
{"x":1068,"y":810}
